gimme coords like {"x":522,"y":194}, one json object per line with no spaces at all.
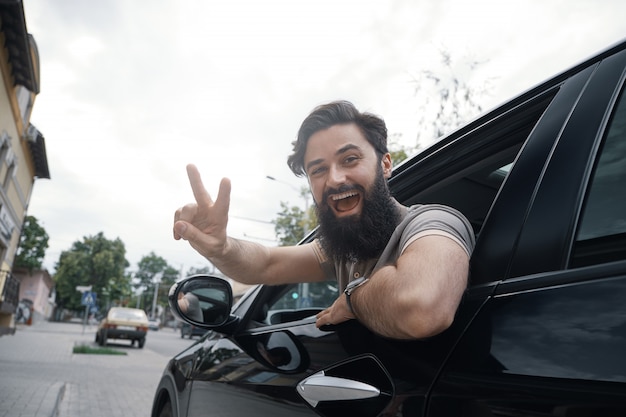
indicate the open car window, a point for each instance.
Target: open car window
{"x":294,"y":302}
{"x":470,"y":178}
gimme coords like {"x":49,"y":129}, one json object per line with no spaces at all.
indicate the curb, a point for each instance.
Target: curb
{"x":54,"y":399}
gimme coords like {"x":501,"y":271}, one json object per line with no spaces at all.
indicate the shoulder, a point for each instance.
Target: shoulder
{"x":425,"y":219}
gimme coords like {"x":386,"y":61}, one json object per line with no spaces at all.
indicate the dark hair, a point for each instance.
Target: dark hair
{"x":335,"y":113}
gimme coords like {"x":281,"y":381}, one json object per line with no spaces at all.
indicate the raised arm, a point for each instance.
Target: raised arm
{"x":203,"y":224}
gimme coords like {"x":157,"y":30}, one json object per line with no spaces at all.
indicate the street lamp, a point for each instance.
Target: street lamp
{"x":269,"y":177}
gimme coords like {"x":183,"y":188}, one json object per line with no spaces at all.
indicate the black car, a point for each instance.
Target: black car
{"x":541,"y":330}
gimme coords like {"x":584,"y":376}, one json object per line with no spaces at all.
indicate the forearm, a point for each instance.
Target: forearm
{"x":243,"y":261}
{"x":380,"y":306}
{"x":413,"y":300}
{"x":252,"y":263}
{"x":386,"y":308}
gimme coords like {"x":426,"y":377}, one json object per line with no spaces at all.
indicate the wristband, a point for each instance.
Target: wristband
{"x":353,"y":285}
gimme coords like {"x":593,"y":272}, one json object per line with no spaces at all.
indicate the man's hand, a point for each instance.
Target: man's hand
{"x":203,"y":223}
{"x":335,"y":314}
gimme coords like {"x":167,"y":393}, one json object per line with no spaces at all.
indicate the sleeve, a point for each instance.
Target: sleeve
{"x":435,"y":219}
{"x":327,"y":266}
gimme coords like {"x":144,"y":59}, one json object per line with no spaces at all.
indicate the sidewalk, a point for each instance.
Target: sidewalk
{"x":41,"y":377}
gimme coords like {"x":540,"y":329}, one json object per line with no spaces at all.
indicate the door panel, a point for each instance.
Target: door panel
{"x":261,"y":367}
{"x":229,"y":378}
{"x":547,"y":235}
{"x":550,"y":351}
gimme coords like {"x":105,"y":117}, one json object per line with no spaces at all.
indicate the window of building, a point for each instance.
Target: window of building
{"x":25,"y":103}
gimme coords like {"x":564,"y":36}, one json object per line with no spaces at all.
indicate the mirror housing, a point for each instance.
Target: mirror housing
{"x":202,"y":300}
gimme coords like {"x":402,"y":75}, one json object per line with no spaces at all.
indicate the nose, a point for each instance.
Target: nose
{"x":336,"y":176}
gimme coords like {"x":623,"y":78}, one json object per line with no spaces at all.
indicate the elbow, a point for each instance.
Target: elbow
{"x":428,"y":319}
{"x":425,"y":327}
{"x":438,"y":325}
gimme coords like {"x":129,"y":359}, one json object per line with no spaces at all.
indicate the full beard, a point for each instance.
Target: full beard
{"x":362,"y":236}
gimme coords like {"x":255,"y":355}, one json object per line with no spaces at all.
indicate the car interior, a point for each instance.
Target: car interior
{"x":471,"y":183}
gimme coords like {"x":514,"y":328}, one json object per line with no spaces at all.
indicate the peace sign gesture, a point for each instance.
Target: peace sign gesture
{"x":203,"y":223}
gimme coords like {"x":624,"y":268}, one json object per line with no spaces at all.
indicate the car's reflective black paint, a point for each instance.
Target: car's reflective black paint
{"x":541,"y":330}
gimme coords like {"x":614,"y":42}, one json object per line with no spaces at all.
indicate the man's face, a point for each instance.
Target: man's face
{"x":341,"y":165}
{"x":348,"y":180}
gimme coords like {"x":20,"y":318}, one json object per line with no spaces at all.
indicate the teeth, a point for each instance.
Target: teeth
{"x":344,"y":195}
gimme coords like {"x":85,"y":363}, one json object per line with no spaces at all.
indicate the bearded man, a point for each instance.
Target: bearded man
{"x":403,"y":270}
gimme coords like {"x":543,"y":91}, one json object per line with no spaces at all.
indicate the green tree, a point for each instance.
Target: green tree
{"x":33,"y":245}
{"x":150,"y":269}
{"x":96,"y":261}
{"x":292,"y":223}
{"x":397,"y":151}
{"x":205,"y":270}
{"x":447,"y":100}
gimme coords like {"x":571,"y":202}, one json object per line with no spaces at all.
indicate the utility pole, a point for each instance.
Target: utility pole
{"x":157,"y":280}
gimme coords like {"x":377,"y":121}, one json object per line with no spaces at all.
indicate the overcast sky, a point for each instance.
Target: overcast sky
{"x":132,"y":91}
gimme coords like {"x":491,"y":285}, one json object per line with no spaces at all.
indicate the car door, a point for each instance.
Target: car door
{"x":255,"y":371}
{"x":279,"y":364}
{"x":551,"y":340}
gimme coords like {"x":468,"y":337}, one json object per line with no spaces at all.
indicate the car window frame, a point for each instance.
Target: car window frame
{"x":546,"y":240}
{"x":592,"y":250}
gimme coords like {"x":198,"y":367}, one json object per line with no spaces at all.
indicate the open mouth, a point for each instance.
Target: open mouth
{"x":345,"y":202}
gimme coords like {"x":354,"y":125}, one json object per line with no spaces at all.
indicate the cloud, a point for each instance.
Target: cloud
{"x":133,"y":91}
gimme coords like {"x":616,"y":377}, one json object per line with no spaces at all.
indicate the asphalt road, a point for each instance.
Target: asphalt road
{"x":166,"y":342}
{"x":41,"y":376}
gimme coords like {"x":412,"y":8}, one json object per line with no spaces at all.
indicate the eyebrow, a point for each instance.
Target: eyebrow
{"x":340,"y":151}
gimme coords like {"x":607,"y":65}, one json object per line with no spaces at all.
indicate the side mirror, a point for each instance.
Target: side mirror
{"x":201,"y":300}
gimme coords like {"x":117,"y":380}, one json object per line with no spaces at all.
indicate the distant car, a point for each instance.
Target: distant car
{"x":190,"y":331}
{"x":123,"y":323}
{"x":541,"y":329}
{"x":154,"y":324}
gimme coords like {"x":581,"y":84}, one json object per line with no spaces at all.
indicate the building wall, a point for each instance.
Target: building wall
{"x":36,"y":287}
{"x":16,"y":166}
{"x":19,"y":164}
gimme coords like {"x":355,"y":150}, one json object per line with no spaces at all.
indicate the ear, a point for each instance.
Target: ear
{"x":387,"y":165}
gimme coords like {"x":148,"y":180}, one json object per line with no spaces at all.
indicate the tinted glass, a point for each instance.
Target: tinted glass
{"x":300,"y":301}
{"x":307,"y":295}
{"x":601,"y":235}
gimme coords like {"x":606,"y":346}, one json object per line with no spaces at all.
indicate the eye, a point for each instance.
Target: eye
{"x":351,"y":160}
{"x":317,"y":171}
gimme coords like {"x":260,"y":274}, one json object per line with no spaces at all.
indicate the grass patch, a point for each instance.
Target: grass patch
{"x":96,"y":350}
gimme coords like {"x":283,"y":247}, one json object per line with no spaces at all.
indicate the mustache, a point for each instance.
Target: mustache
{"x":344,"y":188}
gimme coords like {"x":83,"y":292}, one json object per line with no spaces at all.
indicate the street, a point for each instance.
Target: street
{"x":166,"y":342}
{"x":40,"y":376}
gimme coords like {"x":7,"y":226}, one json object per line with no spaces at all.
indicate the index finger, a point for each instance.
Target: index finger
{"x":199,"y":191}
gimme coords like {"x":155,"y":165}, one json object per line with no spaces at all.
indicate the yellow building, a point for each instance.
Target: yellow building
{"x":22,"y":148}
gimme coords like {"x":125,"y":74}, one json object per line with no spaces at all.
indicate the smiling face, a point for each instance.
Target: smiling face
{"x":341,"y":165}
